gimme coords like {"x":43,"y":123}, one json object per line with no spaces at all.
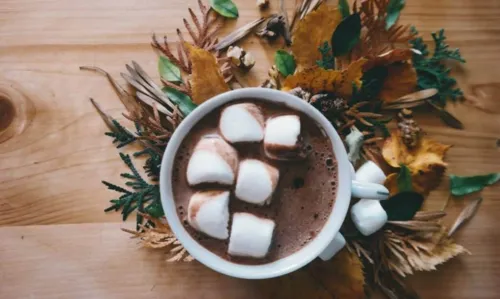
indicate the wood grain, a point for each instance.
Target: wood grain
{"x":50,"y":173}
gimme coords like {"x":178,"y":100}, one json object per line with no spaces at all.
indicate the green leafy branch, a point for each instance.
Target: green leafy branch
{"x":431,"y":71}
{"x":327,"y":60}
{"x":121,"y":136}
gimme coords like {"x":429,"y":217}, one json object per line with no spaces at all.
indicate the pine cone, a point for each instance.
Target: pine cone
{"x":408,"y":127}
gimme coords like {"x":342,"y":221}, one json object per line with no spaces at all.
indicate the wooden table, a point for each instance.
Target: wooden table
{"x":55,"y":240}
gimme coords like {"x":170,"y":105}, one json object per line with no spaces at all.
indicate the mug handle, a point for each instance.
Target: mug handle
{"x":335,"y":245}
{"x":369,"y":190}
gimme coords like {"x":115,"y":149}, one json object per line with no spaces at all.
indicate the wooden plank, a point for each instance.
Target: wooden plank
{"x":99,"y":261}
{"x":50,"y":174}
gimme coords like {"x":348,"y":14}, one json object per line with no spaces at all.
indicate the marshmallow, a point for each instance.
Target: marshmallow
{"x":282,"y":139}
{"x":368,"y":216}
{"x":213,"y":161}
{"x":208,"y":213}
{"x":242,"y":123}
{"x":370,"y":173}
{"x":251,"y":236}
{"x":256,"y":181}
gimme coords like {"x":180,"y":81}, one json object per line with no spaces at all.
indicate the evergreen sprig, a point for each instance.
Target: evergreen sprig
{"x":138,"y":193}
{"x":327,"y":60}
{"x":431,"y":71}
{"x":121,"y":136}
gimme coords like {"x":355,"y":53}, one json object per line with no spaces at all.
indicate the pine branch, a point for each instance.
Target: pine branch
{"x":121,"y":136}
{"x":327,"y":60}
{"x":431,"y":70}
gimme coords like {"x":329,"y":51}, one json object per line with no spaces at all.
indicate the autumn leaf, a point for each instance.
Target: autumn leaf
{"x":311,"y":32}
{"x":417,"y":253}
{"x":342,"y":275}
{"x":206,"y":79}
{"x":425,"y":162}
{"x":390,"y":57}
{"x":401,"y":80}
{"x":317,"y":79}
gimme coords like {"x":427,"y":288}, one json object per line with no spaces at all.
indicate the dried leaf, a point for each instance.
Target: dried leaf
{"x":346,"y":35}
{"x":390,"y":57}
{"x":225,"y":8}
{"x":465,"y":215}
{"x":402,"y":206}
{"x":412,"y":100}
{"x":354,"y":142}
{"x":393,"y":11}
{"x":418,"y":226}
{"x":447,"y":117}
{"x":206,"y":79}
{"x":168,"y":70}
{"x":429,"y":215}
{"x":285,"y":62}
{"x":318,"y":80}
{"x":347,"y":273}
{"x":463,"y":185}
{"x":238,"y":34}
{"x":311,"y":32}
{"x":344,"y":8}
{"x":401,"y":80}
{"x":425,"y":162}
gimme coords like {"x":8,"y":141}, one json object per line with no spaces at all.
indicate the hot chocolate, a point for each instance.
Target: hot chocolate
{"x":302,"y":199}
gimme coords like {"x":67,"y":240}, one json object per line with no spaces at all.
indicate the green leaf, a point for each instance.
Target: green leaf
{"x":327,"y":60}
{"x":393,"y":11}
{"x":225,"y":8}
{"x":344,"y":8}
{"x":402,"y":206}
{"x":404,"y":179}
{"x":463,"y":185}
{"x":169,"y":71}
{"x":182,"y":100}
{"x":284,"y":62}
{"x":346,"y":36}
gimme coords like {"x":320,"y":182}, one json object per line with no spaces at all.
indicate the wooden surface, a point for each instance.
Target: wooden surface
{"x":55,"y":240}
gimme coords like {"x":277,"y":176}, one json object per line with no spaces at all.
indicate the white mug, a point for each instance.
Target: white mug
{"x":326,"y":242}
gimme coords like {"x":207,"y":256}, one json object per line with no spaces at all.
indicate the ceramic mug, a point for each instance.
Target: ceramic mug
{"x":324,"y":245}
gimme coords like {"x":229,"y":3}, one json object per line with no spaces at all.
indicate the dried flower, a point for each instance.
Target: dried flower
{"x":263,"y":4}
{"x":274,"y":27}
{"x":240,"y":57}
{"x":410,"y":131}
{"x":274,"y":81}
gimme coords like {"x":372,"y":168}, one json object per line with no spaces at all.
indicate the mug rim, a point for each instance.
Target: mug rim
{"x":291,"y":262}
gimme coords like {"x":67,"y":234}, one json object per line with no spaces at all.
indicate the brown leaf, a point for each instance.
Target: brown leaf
{"x":206,"y":79}
{"x":318,"y":79}
{"x":447,"y":117}
{"x":425,"y":162}
{"x":401,"y":80}
{"x":429,"y":215}
{"x":418,"y":226}
{"x":390,"y":57}
{"x":344,"y":273}
{"x":465,"y":215}
{"x":411,"y":100}
{"x":311,"y":32}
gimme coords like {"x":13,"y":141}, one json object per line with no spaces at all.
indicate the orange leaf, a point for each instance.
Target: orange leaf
{"x":206,"y":78}
{"x":317,"y":79}
{"x":401,"y":80}
{"x":425,"y":162}
{"x":311,"y":32}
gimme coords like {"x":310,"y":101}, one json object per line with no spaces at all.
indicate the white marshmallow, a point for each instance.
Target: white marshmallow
{"x":282,"y":131}
{"x":370,"y":173}
{"x":213,"y":161}
{"x":256,"y":181}
{"x":251,"y":236}
{"x":242,"y":123}
{"x":208,"y":212}
{"x":368,"y":216}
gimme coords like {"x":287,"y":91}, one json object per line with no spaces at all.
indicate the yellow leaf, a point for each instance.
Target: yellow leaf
{"x":206,"y":78}
{"x":401,"y":80}
{"x":425,"y":162}
{"x":317,"y":79}
{"x":311,"y":32}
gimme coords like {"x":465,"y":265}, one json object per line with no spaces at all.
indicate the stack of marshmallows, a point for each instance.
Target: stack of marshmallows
{"x":215,"y":161}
